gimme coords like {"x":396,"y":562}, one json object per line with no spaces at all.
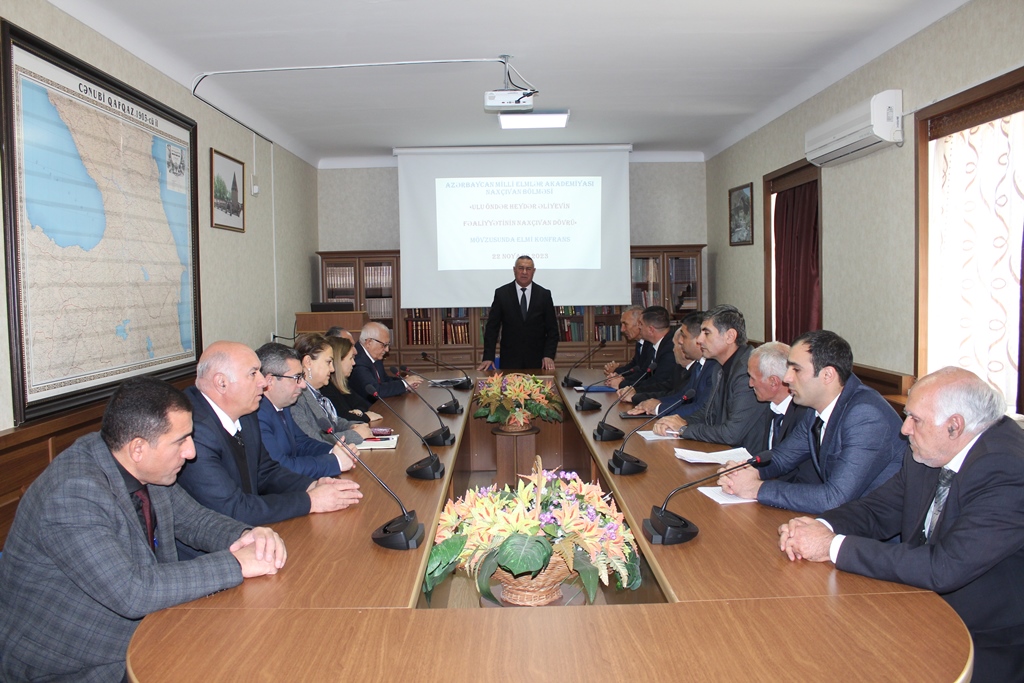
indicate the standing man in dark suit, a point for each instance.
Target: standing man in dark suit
{"x":368,"y":371}
{"x":232,"y":472}
{"x":852,"y":439}
{"x":91,"y":551}
{"x":284,"y":441}
{"x":523,"y":315}
{"x":957,"y":506}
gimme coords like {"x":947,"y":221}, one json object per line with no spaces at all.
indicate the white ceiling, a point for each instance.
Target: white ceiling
{"x":680,"y":80}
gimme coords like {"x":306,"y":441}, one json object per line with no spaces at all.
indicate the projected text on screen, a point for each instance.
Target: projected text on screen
{"x":485,"y":223}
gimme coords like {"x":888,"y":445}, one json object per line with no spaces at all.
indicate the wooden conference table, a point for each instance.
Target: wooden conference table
{"x":343,"y":608}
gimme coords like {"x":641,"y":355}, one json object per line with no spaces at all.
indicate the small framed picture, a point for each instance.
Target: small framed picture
{"x":227,"y":192}
{"x":741,"y":217}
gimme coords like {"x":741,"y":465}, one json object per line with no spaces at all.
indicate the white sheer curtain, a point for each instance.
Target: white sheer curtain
{"x":976,"y":214}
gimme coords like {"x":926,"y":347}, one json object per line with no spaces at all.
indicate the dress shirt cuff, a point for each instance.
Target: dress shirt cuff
{"x":833,"y":548}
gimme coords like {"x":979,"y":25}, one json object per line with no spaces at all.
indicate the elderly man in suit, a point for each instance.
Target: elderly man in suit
{"x":852,"y":438}
{"x":957,"y":508}
{"x":284,"y":441}
{"x":767,"y":369}
{"x":658,"y":368}
{"x":232,"y":472}
{"x":92,"y":551}
{"x":368,"y":371}
{"x":523,"y":314}
{"x":629,"y":322}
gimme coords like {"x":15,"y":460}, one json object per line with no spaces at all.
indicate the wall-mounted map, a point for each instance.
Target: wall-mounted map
{"x":104,"y":235}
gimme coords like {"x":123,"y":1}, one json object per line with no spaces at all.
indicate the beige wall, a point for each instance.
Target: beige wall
{"x":868,"y":204}
{"x":359,"y":207}
{"x":230,"y":263}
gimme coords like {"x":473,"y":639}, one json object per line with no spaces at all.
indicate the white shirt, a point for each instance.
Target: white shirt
{"x":779,"y":408}
{"x":955,"y":464}
{"x":529,"y":293}
{"x":232,"y":426}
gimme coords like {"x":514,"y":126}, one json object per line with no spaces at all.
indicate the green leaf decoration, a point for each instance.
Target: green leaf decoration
{"x":634,"y":580}
{"x":483,"y":575}
{"x":482,"y":411}
{"x":587,"y":571}
{"x":521,"y":554}
{"x":444,"y":557}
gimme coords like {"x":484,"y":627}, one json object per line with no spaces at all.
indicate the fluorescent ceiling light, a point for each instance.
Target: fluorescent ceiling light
{"x":548,"y":119}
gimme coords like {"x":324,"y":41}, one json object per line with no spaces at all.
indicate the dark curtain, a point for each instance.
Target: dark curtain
{"x":797,"y":264}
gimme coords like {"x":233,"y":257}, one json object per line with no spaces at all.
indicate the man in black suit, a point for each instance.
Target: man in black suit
{"x":629,"y":322}
{"x":232,"y":472}
{"x":957,"y":506}
{"x":523,"y":314}
{"x":657,"y":336}
{"x":368,"y":371}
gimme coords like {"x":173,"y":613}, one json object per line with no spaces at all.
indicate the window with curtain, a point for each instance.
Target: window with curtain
{"x":975,"y":223}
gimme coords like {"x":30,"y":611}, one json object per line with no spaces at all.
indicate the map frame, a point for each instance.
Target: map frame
{"x":118,"y":101}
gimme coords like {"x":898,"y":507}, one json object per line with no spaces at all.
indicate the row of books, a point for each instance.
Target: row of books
{"x":377,"y":276}
{"x":417,"y":313}
{"x":456,"y":332}
{"x":380,"y":308}
{"x":644,"y":298}
{"x":418,"y":332}
{"x":607,"y":332}
{"x":340,"y":277}
{"x":569,"y":310}
{"x":607,"y":310}
{"x":455,"y":312}
{"x":645,"y":269}
{"x":572,"y":331}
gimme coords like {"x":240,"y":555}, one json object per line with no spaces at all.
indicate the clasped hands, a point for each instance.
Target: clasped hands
{"x":744,"y":482}
{"x":259,"y":551}
{"x":804,"y":538}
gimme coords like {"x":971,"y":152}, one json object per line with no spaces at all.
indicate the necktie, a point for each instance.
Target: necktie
{"x":939,"y":501}
{"x":776,"y":429}
{"x":522,"y":301}
{"x":816,"y":442}
{"x":241,"y":462}
{"x":145,"y":509}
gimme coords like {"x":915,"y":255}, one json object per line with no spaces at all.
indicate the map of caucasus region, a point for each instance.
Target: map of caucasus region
{"x":105,"y":244}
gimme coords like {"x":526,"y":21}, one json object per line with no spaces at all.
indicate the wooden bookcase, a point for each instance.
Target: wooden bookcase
{"x":665,"y":275}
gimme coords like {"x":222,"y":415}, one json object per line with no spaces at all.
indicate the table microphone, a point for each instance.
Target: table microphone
{"x":464,"y":383}
{"x":452,"y":407}
{"x":585,"y":404}
{"x":665,"y":527}
{"x":607,"y":432}
{"x":401,"y":533}
{"x":622,"y":462}
{"x":570,"y":382}
{"x":429,"y":467}
{"x":441,"y":436}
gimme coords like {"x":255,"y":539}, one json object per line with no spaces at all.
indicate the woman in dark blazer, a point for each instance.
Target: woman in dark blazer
{"x":349,"y":405}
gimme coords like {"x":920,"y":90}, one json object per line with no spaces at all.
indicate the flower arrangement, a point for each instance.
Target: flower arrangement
{"x":515,"y":398}
{"x":519,"y":531}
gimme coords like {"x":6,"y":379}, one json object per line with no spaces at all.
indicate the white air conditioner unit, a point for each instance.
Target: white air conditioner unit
{"x":860,"y":130}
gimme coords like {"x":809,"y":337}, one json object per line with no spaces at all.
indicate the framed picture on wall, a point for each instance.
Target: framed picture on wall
{"x":101,"y":227}
{"x":741,"y":216}
{"x":227,"y":192}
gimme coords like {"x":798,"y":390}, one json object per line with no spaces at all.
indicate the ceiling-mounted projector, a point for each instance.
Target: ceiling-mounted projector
{"x":508,"y":100}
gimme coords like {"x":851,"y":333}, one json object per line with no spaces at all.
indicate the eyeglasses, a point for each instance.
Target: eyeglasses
{"x":386,"y":345}
{"x":298,"y":378}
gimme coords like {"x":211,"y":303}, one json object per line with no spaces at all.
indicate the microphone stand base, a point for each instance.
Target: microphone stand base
{"x":586,"y":404}
{"x":665,"y":527}
{"x":463,"y":384}
{"x":571,"y":382}
{"x":607,"y":432}
{"x":401,"y":533}
{"x":440,"y":437}
{"x":428,"y":468}
{"x":624,"y":463}
{"x":449,"y":408}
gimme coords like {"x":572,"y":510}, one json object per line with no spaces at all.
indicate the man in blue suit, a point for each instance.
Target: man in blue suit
{"x":284,"y":441}
{"x":232,"y":472}
{"x":852,"y":438}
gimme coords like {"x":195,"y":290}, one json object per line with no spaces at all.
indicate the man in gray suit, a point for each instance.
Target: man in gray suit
{"x":91,"y":551}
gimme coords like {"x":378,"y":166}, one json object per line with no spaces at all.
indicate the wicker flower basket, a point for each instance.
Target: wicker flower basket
{"x":529,"y":591}
{"x":514,"y":426}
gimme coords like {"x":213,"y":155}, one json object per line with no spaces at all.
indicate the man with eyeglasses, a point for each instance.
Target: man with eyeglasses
{"x":284,"y":441}
{"x":523,"y":315}
{"x":374,"y":344}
